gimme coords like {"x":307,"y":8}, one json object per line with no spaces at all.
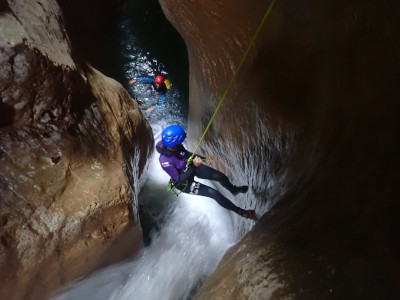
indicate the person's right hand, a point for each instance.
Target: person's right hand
{"x":197,"y":161}
{"x":132,"y":81}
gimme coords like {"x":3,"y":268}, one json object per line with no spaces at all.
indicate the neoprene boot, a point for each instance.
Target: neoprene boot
{"x":249,"y":214}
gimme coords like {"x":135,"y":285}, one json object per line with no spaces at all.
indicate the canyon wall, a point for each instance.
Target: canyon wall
{"x":73,"y":150}
{"x":311,"y":124}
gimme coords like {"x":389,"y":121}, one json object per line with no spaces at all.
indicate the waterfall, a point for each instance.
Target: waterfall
{"x":194,"y":235}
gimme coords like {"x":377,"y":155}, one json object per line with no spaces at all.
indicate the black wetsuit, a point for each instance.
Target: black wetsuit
{"x":161,"y":89}
{"x":174,"y":164}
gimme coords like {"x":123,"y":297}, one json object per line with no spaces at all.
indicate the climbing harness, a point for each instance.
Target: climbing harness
{"x":172,"y":188}
{"x":245,"y":55}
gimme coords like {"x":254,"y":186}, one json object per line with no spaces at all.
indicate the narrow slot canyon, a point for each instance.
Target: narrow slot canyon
{"x":310,"y":124}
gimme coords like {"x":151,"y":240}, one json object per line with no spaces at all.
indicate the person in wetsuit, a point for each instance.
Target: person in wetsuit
{"x":158,"y":85}
{"x":173,"y":158}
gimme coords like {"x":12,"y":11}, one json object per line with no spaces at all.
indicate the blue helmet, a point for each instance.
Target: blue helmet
{"x":173,"y":135}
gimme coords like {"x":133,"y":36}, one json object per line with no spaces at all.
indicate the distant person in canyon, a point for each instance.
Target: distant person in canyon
{"x":173,"y":158}
{"x":159,"y":84}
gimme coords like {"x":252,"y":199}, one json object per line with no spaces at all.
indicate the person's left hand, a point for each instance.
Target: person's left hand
{"x":150,"y":109}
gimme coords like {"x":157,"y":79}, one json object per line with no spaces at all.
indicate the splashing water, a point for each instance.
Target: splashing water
{"x":195,"y":233}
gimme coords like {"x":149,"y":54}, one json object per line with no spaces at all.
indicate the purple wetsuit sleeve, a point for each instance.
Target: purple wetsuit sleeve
{"x":190,"y":154}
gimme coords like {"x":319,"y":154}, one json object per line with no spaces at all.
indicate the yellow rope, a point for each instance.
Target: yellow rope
{"x":234,"y":76}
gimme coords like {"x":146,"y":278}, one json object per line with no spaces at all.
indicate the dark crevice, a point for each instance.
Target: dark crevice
{"x":92,"y":19}
{"x":4,"y":7}
{"x":7,"y":114}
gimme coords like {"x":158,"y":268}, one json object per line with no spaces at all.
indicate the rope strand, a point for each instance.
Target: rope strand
{"x":246,"y":54}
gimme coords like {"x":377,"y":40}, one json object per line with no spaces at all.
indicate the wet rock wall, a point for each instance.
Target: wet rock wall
{"x":310,"y":124}
{"x":70,"y":138}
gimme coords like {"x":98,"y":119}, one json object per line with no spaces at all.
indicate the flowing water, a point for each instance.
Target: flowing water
{"x":185,"y":236}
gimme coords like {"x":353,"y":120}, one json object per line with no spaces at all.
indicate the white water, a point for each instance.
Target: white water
{"x":193,"y":232}
{"x":193,"y":239}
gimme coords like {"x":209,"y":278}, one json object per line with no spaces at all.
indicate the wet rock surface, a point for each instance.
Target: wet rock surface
{"x":70,"y":138}
{"x":310,"y":123}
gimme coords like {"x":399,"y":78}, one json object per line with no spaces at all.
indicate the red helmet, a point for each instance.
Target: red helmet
{"x":159,"y":79}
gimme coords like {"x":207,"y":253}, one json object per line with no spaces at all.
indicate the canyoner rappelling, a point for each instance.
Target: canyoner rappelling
{"x":183,"y":178}
{"x":173,"y":159}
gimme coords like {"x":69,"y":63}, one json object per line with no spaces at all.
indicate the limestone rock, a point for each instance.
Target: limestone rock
{"x":70,"y":138}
